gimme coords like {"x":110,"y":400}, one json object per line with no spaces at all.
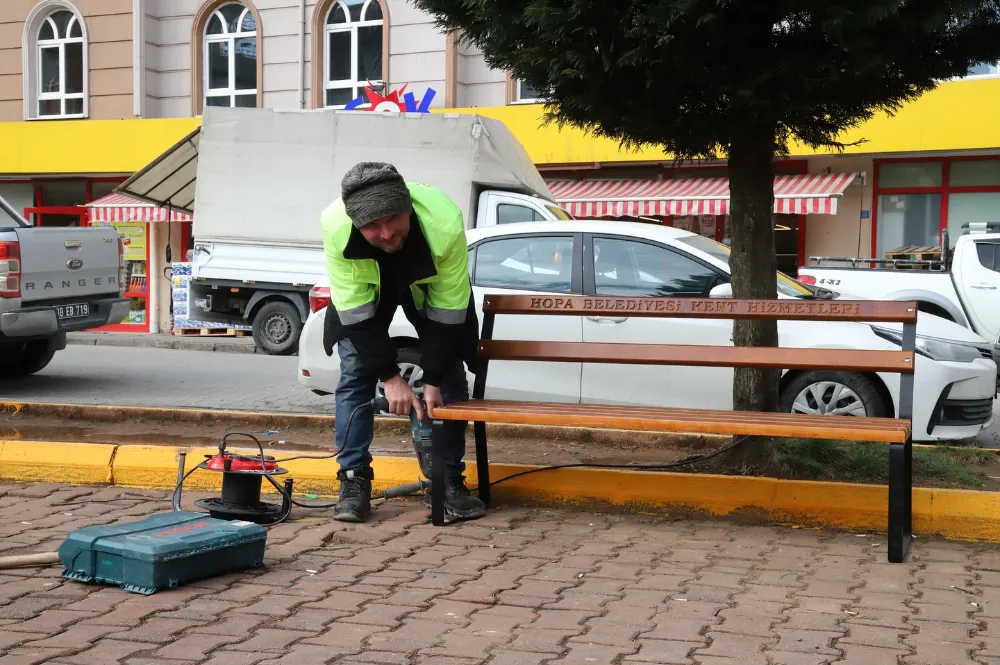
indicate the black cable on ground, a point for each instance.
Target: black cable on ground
{"x":124,"y":496}
{"x":694,"y":459}
{"x":174,"y":501}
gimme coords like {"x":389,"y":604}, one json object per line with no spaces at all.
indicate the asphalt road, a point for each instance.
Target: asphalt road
{"x":168,"y":377}
{"x":196,"y":379}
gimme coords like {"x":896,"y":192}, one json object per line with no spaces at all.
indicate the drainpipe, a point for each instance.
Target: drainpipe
{"x":138,"y":61}
{"x":302,"y":54}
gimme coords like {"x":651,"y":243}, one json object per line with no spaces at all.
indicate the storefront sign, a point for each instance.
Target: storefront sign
{"x":707,"y":225}
{"x":133,"y":237}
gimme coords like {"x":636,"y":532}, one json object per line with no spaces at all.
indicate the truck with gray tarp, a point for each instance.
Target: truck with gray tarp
{"x":257,"y":180}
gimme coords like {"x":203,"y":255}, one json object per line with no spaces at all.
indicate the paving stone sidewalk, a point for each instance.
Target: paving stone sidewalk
{"x":523,"y":586}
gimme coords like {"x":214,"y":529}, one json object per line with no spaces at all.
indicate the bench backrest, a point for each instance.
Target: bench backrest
{"x":854,"y":360}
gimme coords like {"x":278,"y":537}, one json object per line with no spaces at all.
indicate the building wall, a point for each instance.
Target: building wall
{"x":109,"y":49}
{"x":846,"y":233}
{"x":477,"y":84}
{"x":416,"y":51}
{"x":417,"y":57}
{"x":19,"y":195}
{"x":167,"y":55}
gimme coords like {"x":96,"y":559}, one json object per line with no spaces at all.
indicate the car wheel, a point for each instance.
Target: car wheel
{"x":823,"y":393}
{"x":408,"y":360}
{"x":276,"y":328}
{"x":26,"y":359}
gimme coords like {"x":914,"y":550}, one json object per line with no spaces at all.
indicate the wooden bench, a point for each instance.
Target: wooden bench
{"x":893,"y":431}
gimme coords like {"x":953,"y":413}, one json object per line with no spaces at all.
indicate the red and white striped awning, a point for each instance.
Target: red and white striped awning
{"x":793,"y":194}
{"x":117,"y":207}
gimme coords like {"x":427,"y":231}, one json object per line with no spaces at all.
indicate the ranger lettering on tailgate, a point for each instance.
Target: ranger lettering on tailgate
{"x":68,"y":283}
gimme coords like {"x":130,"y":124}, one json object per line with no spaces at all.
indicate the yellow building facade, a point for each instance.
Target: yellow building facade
{"x":938,"y":158}
{"x":934,"y":165}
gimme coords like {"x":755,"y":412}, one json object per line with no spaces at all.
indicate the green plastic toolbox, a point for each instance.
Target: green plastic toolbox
{"x":164,"y":550}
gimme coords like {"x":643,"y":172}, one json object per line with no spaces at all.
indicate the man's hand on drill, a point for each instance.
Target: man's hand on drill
{"x":432,"y":398}
{"x":402,"y":398}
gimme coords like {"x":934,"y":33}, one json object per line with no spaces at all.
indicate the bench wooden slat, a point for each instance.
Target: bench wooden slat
{"x":558,"y":409}
{"x":699,"y":356}
{"x":707,"y":308}
{"x":885,"y":430}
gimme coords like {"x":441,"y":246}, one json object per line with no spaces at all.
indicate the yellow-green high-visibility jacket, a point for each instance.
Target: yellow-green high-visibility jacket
{"x":429,"y":277}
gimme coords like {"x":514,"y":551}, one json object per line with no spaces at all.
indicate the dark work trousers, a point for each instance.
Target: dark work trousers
{"x":356,"y":387}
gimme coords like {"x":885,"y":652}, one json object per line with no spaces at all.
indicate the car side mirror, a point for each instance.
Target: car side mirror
{"x":721,"y":291}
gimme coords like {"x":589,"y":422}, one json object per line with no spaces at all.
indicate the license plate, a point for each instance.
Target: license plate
{"x":73,"y":311}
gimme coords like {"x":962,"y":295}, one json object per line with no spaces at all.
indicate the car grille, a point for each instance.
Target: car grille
{"x":961,"y":412}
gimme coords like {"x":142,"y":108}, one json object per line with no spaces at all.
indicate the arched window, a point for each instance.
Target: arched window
{"x":55,"y":62}
{"x":353,"y":49}
{"x":230,"y":57}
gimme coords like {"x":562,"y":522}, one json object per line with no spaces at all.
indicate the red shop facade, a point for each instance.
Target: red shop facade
{"x":917,"y":199}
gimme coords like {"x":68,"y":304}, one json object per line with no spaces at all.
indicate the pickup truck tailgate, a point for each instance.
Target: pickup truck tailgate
{"x":67,"y":262}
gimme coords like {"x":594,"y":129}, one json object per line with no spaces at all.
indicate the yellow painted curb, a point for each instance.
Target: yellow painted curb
{"x":70,"y":463}
{"x":960,"y":514}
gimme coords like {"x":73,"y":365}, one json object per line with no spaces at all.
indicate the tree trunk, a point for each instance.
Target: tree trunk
{"x":753,"y":263}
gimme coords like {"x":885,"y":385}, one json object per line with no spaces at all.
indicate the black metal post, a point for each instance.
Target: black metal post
{"x":438,"y":437}
{"x":286,"y":497}
{"x":179,"y":487}
{"x":478,"y":392}
{"x":901,"y":464}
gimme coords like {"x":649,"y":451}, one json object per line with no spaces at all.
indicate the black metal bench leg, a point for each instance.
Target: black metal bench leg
{"x":482,"y":463}
{"x":900,"y":500}
{"x":438,"y":438}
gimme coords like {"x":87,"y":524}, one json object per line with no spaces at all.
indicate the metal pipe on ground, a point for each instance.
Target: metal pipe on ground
{"x":27,"y":560}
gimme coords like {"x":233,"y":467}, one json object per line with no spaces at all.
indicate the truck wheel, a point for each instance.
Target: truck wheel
{"x":824,"y":393}
{"x":276,"y":328}
{"x":26,"y":359}
{"x":408,"y":360}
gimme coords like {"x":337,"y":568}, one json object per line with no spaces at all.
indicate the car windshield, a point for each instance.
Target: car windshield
{"x":558,"y":212}
{"x":786,"y":285}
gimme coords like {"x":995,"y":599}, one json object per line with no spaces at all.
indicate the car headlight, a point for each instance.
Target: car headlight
{"x":933,"y":348}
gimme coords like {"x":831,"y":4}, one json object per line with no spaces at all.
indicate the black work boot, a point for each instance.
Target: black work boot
{"x":355,"y":503}
{"x":458,"y":503}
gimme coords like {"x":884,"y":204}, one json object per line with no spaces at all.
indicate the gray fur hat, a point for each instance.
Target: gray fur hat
{"x":371,"y":190}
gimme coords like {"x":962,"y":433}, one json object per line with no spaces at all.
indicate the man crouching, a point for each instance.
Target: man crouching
{"x":391,"y":243}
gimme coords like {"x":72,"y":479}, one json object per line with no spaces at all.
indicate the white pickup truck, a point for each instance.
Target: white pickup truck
{"x":964,"y":286}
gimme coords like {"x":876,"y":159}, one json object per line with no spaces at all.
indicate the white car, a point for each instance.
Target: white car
{"x":955,"y":373}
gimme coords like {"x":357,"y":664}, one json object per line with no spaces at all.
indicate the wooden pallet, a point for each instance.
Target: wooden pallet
{"x":915,"y":253}
{"x":211,"y":332}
